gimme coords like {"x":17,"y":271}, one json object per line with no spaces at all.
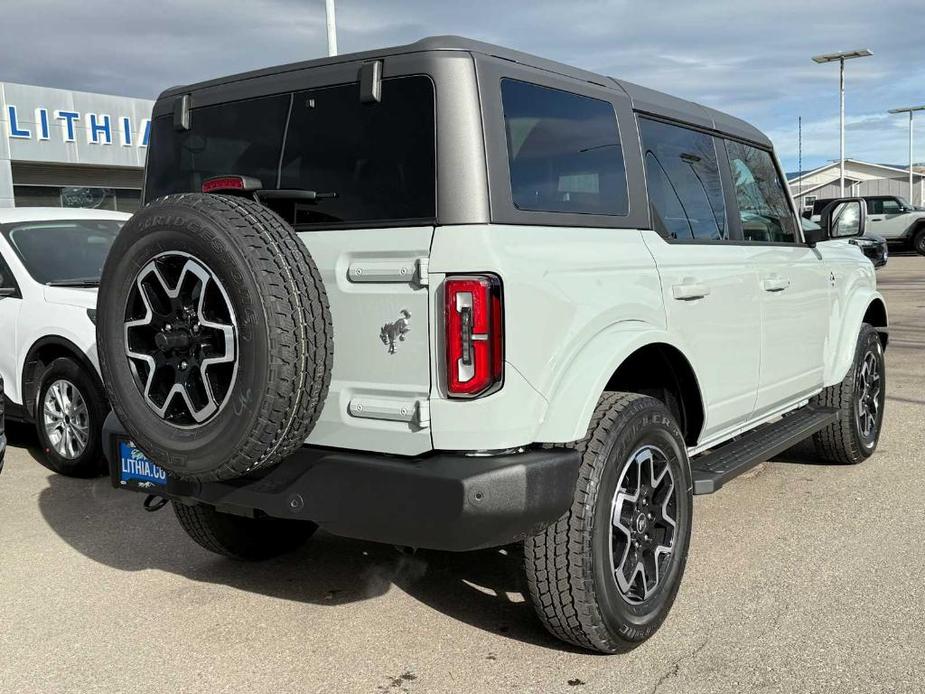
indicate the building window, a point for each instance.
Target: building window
{"x":117,"y":199}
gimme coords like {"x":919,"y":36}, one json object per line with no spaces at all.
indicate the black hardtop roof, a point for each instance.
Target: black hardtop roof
{"x":644,"y":99}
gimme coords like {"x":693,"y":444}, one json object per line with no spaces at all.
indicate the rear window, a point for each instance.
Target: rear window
{"x":564,"y":151}
{"x":378,"y":158}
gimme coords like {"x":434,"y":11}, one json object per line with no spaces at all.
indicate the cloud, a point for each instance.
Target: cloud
{"x":751,"y":59}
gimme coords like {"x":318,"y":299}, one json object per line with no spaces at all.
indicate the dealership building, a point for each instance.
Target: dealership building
{"x":61,"y":148}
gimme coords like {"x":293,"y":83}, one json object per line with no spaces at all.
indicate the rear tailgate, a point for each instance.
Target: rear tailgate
{"x":376,"y":284}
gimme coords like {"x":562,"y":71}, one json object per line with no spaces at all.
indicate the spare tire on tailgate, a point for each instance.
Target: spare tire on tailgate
{"x":214,"y":335}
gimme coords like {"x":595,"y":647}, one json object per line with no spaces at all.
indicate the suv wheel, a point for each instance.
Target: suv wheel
{"x":605,"y":575}
{"x":859,"y":399}
{"x":239,"y":537}
{"x":69,"y":412}
{"x":214,"y":335}
{"x":918,"y":242}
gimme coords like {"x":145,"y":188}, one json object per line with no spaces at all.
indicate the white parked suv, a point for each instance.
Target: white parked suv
{"x":453,"y":296}
{"x":50,"y":264}
{"x":891,"y":217}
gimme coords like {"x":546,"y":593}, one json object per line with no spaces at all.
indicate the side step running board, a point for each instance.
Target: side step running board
{"x":712,"y":470}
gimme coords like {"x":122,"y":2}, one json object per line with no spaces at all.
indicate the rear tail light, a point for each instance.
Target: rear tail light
{"x":474,"y":335}
{"x":223,"y":184}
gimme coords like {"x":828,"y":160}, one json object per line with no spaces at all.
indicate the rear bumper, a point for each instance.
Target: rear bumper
{"x":440,"y":501}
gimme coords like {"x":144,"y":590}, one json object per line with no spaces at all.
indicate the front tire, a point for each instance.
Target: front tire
{"x":860,"y":399}
{"x":69,"y":413}
{"x":632,"y":508}
{"x":238,"y":537}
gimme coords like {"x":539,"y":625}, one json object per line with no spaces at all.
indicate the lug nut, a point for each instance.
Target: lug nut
{"x":168,"y":328}
{"x":183,"y":365}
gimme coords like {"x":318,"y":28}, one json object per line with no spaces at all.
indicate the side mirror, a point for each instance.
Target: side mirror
{"x":844,"y":218}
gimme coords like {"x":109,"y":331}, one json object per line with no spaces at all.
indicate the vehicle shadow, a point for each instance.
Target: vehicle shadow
{"x":483,"y":589}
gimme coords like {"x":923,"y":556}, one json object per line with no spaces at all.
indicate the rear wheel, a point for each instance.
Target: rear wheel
{"x":69,"y":412}
{"x":239,"y":537}
{"x":860,"y":400}
{"x":918,"y":242}
{"x":605,"y":575}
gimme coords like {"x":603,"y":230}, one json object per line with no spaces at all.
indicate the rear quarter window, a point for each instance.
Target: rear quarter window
{"x":564,"y":151}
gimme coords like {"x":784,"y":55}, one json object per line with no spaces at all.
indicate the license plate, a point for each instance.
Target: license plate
{"x":136,"y":470}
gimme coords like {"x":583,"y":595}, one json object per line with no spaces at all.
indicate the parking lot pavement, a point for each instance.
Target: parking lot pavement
{"x":801,"y":577}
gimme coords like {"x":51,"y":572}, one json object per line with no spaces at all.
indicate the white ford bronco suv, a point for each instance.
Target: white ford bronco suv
{"x":452,"y":296}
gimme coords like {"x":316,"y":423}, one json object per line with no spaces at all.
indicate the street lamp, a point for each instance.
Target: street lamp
{"x":331,"y":26}
{"x":841,"y":58}
{"x":910,"y":110}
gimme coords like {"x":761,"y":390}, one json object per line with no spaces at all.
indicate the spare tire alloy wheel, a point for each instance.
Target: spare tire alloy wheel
{"x":181,"y":339}
{"x":214,"y":335}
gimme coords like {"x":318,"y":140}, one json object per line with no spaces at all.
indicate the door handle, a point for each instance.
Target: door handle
{"x":775,"y":283}
{"x":689,"y":289}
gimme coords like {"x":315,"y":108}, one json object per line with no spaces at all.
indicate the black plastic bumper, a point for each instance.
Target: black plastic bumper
{"x":440,"y":501}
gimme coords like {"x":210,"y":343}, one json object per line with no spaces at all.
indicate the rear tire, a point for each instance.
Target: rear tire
{"x":238,"y":537}
{"x":69,"y":425}
{"x":573,"y":567}
{"x":853,"y":437}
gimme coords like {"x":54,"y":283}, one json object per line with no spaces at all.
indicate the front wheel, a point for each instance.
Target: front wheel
{"x":69,"y":413}
{"x":605,"y":575}
{"x":860,"y":400}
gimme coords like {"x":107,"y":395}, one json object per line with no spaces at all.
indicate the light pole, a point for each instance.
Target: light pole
{"x":841,"y":57}
{"x":910,"y":110}
{"x":331,"y":26}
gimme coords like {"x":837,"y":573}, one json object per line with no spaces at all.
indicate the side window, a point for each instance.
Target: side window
{"x":683,"y":181}
{"x":763,"y":208}
{"x":891,"y":206}
{"x":564,"y":151}
{"x":874,"y":205}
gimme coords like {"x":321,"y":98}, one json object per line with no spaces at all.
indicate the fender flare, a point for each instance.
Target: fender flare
{"x":575,"y":394}
{"x":847,"y":340}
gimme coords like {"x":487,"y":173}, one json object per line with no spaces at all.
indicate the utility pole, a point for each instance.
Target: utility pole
{"x":331,"y":26}
{"x":841,"y":57}
{"x":800,"y":162}
{"x":910,"y":110}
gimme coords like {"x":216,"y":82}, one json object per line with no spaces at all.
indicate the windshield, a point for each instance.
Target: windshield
{"x":63,"y":252}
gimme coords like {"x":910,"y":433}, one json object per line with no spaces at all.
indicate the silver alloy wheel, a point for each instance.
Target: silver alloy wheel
{"x":66,"y":419}
{"x":181,"y":339}
{"x":868,"y":391}
{"x":643,"y":524}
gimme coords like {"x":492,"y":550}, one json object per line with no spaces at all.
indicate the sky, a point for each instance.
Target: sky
{"x":748,"y":58}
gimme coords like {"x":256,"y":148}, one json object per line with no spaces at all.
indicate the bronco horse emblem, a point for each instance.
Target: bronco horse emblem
{"x":396,"y":330}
